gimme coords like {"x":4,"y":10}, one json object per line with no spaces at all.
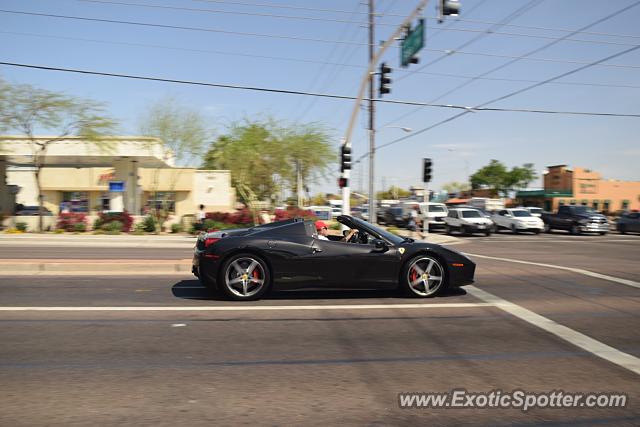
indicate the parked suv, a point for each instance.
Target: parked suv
{"x":517,"y":220}
{"x":576,"y":219}
{"x":467,"y":221}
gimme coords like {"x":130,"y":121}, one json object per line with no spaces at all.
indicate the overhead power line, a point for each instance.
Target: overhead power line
{"x":513,"y":61}
{"x":340,"y":64}
{"x":178,"y":27}
{"x":509,"y":95}
{"x":465,"y":109}
{"x":322,"y":19}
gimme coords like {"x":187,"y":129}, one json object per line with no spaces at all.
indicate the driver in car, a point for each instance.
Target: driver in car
{"x":347,"y":237}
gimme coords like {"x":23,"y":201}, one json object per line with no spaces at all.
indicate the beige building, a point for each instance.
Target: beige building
{"x":119,"y":173}
{"x":580,"y":186}
{"x":87,"y":189}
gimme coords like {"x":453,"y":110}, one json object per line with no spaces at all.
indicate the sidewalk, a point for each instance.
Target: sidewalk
{"x":100,"y":240}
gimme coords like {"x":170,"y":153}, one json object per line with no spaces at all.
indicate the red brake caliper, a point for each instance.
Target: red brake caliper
{"x":255,"y":274}
{"x":414,"y":275}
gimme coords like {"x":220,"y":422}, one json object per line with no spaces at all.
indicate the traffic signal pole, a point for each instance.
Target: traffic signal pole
{"x":372,"y":129}
{"x":346,"y":141}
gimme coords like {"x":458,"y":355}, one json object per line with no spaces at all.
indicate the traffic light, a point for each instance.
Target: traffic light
{"x":342,"y":182}
{"x":426,"y":170}
{"x":384,"y":79}
{"x":448,"y":8}
{"x":345,"y":158}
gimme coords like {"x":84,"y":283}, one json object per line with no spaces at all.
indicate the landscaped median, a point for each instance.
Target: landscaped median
{"x":93,"y":267}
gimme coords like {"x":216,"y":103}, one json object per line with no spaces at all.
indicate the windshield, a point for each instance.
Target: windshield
{"x":436,"y":208}
{"x":535,"y":210}
{"x":521,"y":213}
{"x":378,"y":232}
{"x":583,"y":210}
{"x":471,"y":214}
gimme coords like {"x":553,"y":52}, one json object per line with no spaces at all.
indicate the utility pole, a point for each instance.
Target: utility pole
{"x":372,"y":137}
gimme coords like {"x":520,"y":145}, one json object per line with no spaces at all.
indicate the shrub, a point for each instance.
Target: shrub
{"x":243,"y":216}
{"x":69,"y":220}
{"x":217,"y":216}
{"x":124,"y":218}
{"x":112,"y":227}
{"x":148,"y":224}
{"x":80,"y":227}
{"x":21,"y":226}
{"x":335,"y":226}
{"x":176,"y":228}
{"x":294,"y":212}
{"x":58,"y":230}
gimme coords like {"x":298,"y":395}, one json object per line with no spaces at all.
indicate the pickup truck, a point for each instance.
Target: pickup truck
{"x":576,"y":219}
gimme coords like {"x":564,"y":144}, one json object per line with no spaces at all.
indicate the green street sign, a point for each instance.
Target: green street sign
{"x":412,"y":43}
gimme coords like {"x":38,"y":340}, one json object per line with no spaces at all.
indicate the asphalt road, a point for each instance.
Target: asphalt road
{"x":323,"y":357}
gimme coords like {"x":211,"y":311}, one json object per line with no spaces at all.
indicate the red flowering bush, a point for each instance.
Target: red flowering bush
{"x":124,"y":218}
{"x":293,"y":212}
{"x":243,"y":216}
{"x":218,"y":216}
{"x":72,"y":221}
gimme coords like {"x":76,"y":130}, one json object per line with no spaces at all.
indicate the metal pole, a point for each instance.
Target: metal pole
{"x":372,"y":138}
{"x":425,"y":220}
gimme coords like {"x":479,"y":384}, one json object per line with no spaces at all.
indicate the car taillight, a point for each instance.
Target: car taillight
{"x":210,"y":241}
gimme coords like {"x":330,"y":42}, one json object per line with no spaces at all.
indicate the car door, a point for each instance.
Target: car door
{"x":633,"y":222}
{"x":352,"y":265}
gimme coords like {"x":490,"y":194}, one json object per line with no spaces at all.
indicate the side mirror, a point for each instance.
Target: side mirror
{"x":379,"y":246}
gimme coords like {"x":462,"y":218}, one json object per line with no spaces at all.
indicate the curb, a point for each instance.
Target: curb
{"x":149,"y":267}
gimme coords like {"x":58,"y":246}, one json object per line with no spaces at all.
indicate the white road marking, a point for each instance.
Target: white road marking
{"x":178,"y":325}
{"x":252,"y":307}
{"x":578,"y":339}
{"x":561,"y":267}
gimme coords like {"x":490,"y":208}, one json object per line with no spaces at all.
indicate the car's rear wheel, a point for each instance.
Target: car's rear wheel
{"x":447,"y":229}
{"x":423,"y":276}
{"x":245,"y":277}
{"x":575,"y":229}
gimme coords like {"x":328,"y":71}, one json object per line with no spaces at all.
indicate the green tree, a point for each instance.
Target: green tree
{"x":264,"y":156}
{"x":26,"y":109}
{"x":455,"y":187}
{"x":183,"y":133}
{"x":392,"y":193}
{"x":497,"y":178}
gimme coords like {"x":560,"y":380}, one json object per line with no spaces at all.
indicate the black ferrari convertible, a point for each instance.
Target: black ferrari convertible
{"x":246,"y":263}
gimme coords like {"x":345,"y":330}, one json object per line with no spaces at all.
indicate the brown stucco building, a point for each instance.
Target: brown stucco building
{"x":580,"y":186}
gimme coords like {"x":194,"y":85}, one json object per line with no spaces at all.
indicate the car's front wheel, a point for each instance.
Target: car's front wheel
{"x":245,"y":277}
{"x":423,"y":276}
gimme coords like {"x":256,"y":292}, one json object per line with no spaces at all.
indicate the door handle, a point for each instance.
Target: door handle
{"x":316,"y":250}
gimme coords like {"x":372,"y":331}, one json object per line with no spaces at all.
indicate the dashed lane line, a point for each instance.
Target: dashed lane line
{"x":578,"y":339}
{"x":561,"y":267}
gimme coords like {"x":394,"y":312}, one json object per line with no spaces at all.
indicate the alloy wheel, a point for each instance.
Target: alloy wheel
{"x":425,"y":276}
{"x":245,"y":277}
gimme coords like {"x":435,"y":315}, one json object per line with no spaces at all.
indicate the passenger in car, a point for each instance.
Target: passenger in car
{"x":322,"y":230}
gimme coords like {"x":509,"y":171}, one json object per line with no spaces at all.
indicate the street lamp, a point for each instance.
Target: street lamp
{"x":372,"y":194}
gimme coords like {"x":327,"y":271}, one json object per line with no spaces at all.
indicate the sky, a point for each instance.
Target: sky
{"x":321,"y":46}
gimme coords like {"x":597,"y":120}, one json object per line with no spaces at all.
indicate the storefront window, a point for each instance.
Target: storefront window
{"x":162,"y":200}
{"x":74,"y":201}
{"x":605,"y":205}
{"x":573,"y":202}
{"x":561,"y":202}
{"x":625,"y":205}
{"x":105,"y":202}
{"x":584,"y":203}
{"x":595,"y":205}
